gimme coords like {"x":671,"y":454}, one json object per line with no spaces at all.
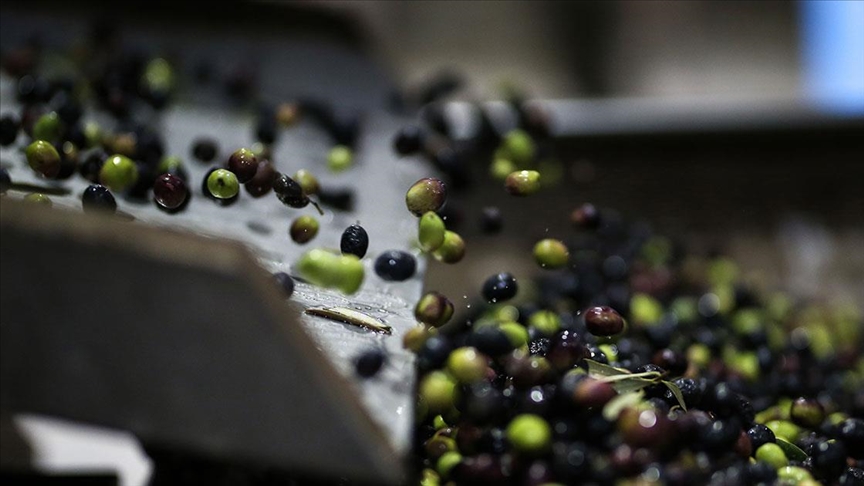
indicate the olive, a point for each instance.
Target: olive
{"x":408,"y":141}
{"x":395,"y":265}
{"x":370,"y":362}
{"x":262,"y":182}
{"x":551,"y":253}
{"x":290,"y":192}
{"x":244,"y":164}
{"x":807,"y":412}
{"x":433,"y":309}
{"x":339,"y":158}
{"x":169,"y":191}
{"x":426,"y":195}
{"x":222,"y":184}
{"x":38,"y":198}
{"x":355,"y":241}
{"x":431,"y":231}
{"x":304,"y":229}
{"x":308,"y":182}
{"x":9,"y":128}
{"x":467,"y":365}
{"x":330,"y":270}
{"x":438,"y":390}
{"x":48,"y":127}
{"x":491,"y":220}
{"x":205,"y":150}
{"x":98,"y":198}
{"x":452,"y":249}
{"x":43,"y":158}
{"x":585,"y":216}
{"x":759,"y":435}
{"x":518,"y":146}
{"x":522,"y":182}
{"x":829,"y":459}
{"x":500,"y":287}
{"x":603,"y":321}
{"x":529,"y":434}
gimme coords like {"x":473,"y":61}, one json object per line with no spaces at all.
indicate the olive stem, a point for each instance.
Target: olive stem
{"x":320,"y":211}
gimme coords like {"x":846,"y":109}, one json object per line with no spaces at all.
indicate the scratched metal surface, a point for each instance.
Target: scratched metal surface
{"x":380,"y":180}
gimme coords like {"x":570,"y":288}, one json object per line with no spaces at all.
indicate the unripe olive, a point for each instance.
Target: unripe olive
{"x":522,"y":183}
{"x":431,"y":231}
{"x":426,"y":195}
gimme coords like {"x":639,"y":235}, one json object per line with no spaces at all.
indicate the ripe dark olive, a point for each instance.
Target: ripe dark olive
{"x":603,"y":321}
{"x":500,"y":287}
{"x":355,"y":241}
{"x":395,"y":265}
{"x":98,"y":198}
{"x":370,"y":362}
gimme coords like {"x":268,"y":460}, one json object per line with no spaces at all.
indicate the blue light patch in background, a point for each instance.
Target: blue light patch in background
{"x":832,"y":34}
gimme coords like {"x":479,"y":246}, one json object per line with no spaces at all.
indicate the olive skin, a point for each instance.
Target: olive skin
{"x":500,"y":287}
{"x":355,"y":241}
{"x":395,"y":265}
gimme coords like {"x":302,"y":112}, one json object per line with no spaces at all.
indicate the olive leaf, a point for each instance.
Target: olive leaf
{"x":614,"y":407}
{"x":676,"y":392}
{"x":598,"y":368}
{"x":350,"y":316}
{"x":623,"y":381}
{"x":792,"y":451}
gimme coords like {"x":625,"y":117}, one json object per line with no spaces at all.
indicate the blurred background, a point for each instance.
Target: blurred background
{"x":734,"y":127}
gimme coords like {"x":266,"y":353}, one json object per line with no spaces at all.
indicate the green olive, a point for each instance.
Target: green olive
{"x":304,"y":229}
{"x":447,"y":462}
{"x":307,"y":181}
{"x":645,"y":309}
{"x":223,"y":184}
{"x":38,"y":198}
{"x":502,"y":167}
{"x":793,"y":474}
{"x":439,"y":423}
{"x":48,"y":127}
{"x":452,"y":250}
{"x":339,"y":158}
{"x":515,"y":332}
{"x":431,"y":231}
{"x":546,"y":322}
{"x":439,"y":391}
{"x":332,"y":270}
{"x":467,"y":365}
{"x":807,"y":412}
{"x":529,"y":434}
{"x":430,"y":478}
{"x":428,"y":194}
{"x":92,"y":134}
{"x":784,"y":429}
{"x":43,"y":158}
{"x":699,"y":354}
{"x":522,"y":182}
{"x":745,"y":363}
{"x":772,"y":454}
{"x":415,"y":337}
{"x":119,"y":173}
{"x":158,"y":75}
{"x":519,"y":146}
{"x":551,"y":253}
